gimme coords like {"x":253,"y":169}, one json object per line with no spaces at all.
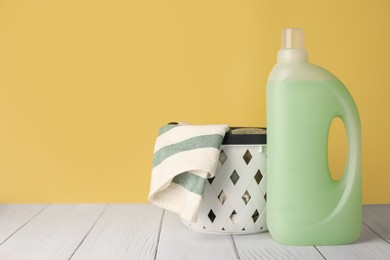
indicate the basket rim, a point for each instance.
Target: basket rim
{"x":245,"y":139}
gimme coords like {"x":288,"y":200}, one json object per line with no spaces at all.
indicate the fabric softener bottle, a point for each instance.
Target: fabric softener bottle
{"x":305,"y":205}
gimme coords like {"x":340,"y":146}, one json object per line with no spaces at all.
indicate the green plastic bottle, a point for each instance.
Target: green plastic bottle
{"x":305,"y":205}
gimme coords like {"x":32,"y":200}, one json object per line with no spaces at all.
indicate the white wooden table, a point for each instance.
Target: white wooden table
{"x":136,"y":231}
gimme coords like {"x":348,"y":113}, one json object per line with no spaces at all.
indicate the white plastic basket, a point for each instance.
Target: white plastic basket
{"x":235,"y":199}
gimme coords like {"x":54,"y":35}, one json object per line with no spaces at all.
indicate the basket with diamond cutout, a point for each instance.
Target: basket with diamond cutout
{"x":235,"y":199}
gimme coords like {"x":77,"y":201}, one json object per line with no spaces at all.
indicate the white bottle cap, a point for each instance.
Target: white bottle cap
{"x":292,"y":46}
{"x":292,"y":38}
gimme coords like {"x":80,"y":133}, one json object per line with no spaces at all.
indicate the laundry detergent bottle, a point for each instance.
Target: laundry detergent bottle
{"x":305,"y":205}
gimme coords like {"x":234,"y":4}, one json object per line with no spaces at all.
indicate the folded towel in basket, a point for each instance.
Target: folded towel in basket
{"x":184,"y":157}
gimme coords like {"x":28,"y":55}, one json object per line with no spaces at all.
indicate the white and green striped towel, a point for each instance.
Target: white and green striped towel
{"x":184,"y":157}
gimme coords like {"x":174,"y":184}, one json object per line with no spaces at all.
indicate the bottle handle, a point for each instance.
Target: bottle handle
{"x":351,"y":179}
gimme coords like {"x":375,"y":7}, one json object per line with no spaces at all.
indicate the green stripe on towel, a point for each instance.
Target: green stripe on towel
{"x":191,"y":182}
{"x":166,"y":128}
{"x":203,"y":141}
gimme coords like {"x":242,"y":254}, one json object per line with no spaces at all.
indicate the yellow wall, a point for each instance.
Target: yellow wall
{"x":85,"y":85}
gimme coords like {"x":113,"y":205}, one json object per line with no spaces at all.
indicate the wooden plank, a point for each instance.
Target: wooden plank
{"x":14,"y":216}
{"x":178,"y":242}
{"x":54,"y":234}
{"x":368,"y":246}
{"x":262,"y":246}
{"x":377,"y":217}
{"x":123,"y":232}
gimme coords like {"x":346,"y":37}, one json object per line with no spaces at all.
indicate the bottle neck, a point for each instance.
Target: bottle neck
{"x":292,"y":55}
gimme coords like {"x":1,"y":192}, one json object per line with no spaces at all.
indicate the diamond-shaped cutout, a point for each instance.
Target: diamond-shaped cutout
{"x":246,"y":197}
{"x":211,"y":216}
{"x":247,"y":157}
{"x":222,"y":197}
{"x":222,"y":157}
{"x":258,"y":176}
{"x":211,"y":180}
{"x":255,"y":216}
{"x":233,"y":216}
{"x":234,"y":177}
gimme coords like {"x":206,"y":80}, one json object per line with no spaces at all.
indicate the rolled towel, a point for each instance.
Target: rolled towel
{"x":184,"y":157}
